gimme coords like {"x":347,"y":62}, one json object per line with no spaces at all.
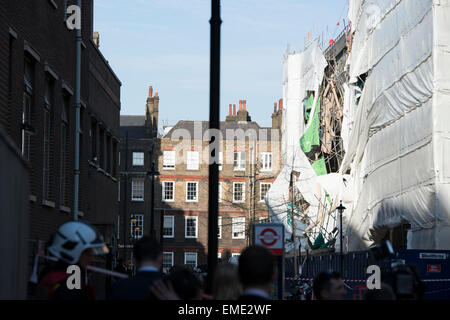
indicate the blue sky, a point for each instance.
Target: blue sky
{"x":166,"y":43}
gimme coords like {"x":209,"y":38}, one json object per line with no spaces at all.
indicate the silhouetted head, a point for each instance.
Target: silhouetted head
{"x":329,"y":286}
{"x":226,"y":282}
{"x":185,"y":283}
{"x":148,"y":251}
{"x":256,"y":267}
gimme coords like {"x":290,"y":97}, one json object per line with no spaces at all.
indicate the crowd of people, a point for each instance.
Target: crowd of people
{"x":252,"y":278}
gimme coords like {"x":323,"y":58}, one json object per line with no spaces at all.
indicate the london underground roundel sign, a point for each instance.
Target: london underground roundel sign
{"x":270,"y":235}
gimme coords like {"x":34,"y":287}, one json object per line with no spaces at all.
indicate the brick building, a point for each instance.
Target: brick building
{"x":37,"y":98}
{"x":249,"y":157}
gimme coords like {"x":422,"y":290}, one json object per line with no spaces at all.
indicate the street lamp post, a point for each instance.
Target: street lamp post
{"x":133,"y":220}
{"x":294,"y":237}
{"x":341,"y":209}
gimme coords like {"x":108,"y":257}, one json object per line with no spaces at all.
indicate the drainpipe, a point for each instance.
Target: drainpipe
{"x":77,"y":119}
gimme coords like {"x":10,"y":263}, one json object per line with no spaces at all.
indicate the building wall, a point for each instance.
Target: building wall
{"x":140,"y":141}
{"x":39,"y":25}
{"x":180,"y":208}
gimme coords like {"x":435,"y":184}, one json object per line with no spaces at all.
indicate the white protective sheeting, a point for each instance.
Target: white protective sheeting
{"x":302,"y":72}
{"x":397,"y":137}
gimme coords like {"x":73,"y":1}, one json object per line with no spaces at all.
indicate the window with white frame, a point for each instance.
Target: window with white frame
{"x":238,"y":228}
{"x":192,"y":160}
{"x":137,"y":189}
{"x":167,"y":260}
{"x":168,"y":191}
{"x":219,"y":227}
{"x":220,"y":191}
{"x":238,"y":192}
{"x":263,"y":189}
{"x":191,"y":191}
{"x":266,"y":161}
{"x":138,"y":158}
{"x":190,"y":227}
{"x":169,"y":160}
{"x":239,"y":160}
{"x":190,"y":259}
{"x":137,"y":226}
{"x":168,"y":227}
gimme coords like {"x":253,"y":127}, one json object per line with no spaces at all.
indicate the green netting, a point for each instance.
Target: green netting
{"x":319,"y":166}
{"x":289,"y":213}
{"x":311,"y":136}
{"x":320,"y":169}
{"x":319,"y":242}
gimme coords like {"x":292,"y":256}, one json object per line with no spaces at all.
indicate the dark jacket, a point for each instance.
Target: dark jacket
{"x":135,"y":288}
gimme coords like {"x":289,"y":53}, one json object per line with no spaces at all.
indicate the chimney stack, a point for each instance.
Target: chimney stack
{"x":234,"y":109}
{"x":280,"y":104}
{"x":151,"y":114}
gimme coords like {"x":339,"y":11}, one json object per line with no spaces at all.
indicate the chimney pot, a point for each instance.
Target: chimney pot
{"x":240,"y":104}
{"x":229,"y":113}
{"x":245,"y":104}
{"x":156,"y":94}
{"x":150,"y":92}
{"x":234,"y":109}
{"x":274,"y":107}
{"x":280,"y":104}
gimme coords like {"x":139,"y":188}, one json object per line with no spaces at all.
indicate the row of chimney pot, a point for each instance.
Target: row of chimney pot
{"x":280,"y":104}
{"x":243,"y":106}
{"x":150,"y":92}
{"x":232,"y":111}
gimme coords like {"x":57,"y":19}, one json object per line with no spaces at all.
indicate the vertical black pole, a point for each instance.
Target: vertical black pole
{"x":126,"y":240}
{"x":214,"y":122}
{"x":342,"y":255}
{"x":152,"y":200}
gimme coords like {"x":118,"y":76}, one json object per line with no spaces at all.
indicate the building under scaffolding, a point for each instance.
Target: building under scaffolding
{"x":366,"y":124}
{"x":312,"y":145}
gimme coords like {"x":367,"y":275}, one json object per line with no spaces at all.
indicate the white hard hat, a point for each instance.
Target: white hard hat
{"x":72,"y":238}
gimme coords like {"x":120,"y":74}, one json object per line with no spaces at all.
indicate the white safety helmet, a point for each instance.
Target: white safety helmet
{"x":72,"y":238}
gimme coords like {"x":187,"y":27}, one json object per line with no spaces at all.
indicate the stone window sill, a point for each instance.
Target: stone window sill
{"x":65,"y":209}
{"x":48,"y":203}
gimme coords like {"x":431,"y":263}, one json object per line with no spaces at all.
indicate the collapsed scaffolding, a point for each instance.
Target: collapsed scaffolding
{"x":312,"y":149}
{"x":366,"y":123}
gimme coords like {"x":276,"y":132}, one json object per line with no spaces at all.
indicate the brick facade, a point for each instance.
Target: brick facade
{"x":35,"y":31}
{"x":194,"y":139}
